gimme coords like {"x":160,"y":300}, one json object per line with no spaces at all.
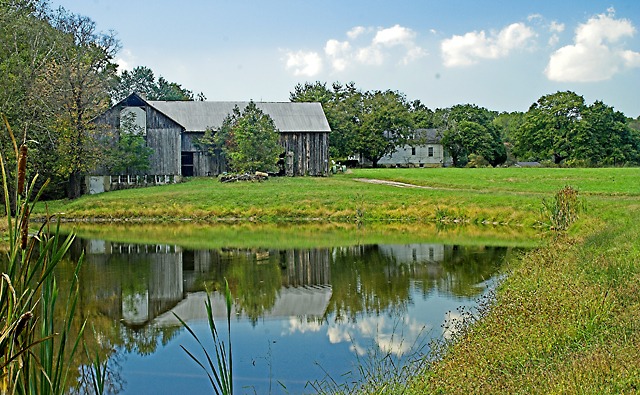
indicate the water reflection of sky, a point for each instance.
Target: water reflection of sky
{"x":283,"y":355}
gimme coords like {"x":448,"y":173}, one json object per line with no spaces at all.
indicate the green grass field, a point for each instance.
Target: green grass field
{"x":506,"y":196}
{"x":566,"y":319}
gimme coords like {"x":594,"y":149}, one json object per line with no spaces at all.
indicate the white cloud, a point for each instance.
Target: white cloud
{"x":371,"y":55}
{"x":304,"y":63}
{"x":595,"y":55}
{"x":356,"y":32}
{"x":396,"y":42}
{"x":534,"y":17}
{"x":339,"y":52}
{"x":386,"y":39}
{"x":556,"y":27}
{"x":470,"y":48}
{"x":396,"y":35}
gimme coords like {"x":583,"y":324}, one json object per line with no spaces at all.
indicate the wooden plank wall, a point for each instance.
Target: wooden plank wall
{"x":310,"y":153}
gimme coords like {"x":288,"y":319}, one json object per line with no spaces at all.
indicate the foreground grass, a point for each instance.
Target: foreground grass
{"x":566,"y":320}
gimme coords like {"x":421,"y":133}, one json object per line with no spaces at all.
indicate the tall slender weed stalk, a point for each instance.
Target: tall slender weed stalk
{"x":35,"y":345}
{"x":220,"y":372}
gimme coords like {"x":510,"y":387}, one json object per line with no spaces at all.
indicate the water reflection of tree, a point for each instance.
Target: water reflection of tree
{"x":366,"y":281}
{"x":254,"y":278}
{"x":462,"y":271}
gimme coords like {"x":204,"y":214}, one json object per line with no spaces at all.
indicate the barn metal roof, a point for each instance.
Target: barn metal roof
{"x":198,"y":116}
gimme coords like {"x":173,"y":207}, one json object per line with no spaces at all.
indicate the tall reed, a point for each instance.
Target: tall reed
{"x":35,"y":348}
{"x":220,"y":373}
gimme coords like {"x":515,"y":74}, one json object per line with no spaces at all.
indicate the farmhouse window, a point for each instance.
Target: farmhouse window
{"x":413,"y":150}
{"x":430,"y":150}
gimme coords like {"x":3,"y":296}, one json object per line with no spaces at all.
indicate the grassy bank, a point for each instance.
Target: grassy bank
{"x":566,"y":320}
{"x":504,"y":196}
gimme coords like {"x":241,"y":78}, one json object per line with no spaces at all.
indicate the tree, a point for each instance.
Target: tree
{"x":468,"y":129}
{"x":613,"y":140}
{"x":248,"y":139}
{"x":552,"y":128}
{"x":129,"y":153}
{"x":386,"y":123}
{"x":143,"y":81}
{"x":27,"y":48}
{"x":80,"y":78}
{"x":342,"y":105}
{"x":563,"y":128}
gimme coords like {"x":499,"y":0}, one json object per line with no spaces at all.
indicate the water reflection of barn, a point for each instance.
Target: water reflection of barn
{"x":174,"y":277}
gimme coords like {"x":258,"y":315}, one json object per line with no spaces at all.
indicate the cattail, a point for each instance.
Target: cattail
{"x":22,"y":323}
{"x":24,"y":228}
{"x":22,"y":168}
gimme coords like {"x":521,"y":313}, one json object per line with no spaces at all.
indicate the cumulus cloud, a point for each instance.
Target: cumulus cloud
{"x":555,"y":28}
{"x":471,"y":47}
{"x":365,"y":45}
{"x":596,"y":54}
{"x":356,"y":32}
{"x":304,"y":63}
{"x":339,"y":53}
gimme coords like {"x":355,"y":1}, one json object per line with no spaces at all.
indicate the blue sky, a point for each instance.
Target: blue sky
{"x":502,"y":55}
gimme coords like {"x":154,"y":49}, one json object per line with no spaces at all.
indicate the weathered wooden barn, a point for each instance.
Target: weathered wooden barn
{"x":171,"y":129}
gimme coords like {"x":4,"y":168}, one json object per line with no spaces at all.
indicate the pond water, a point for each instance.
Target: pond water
{"x":302,"y":317}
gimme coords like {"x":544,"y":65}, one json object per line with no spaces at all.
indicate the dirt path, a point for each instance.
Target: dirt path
{"x":391,"y":183}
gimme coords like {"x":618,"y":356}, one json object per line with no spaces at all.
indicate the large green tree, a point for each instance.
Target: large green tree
{"x":552,"y":128}
{"x":80,"y":79}
{"x":562,"y":128}
{"x":386,"y":123}
{"x":469,"y":130}
{"x":370,"y":123}
{"x":342,"y":105}
{"x":248,"y":139}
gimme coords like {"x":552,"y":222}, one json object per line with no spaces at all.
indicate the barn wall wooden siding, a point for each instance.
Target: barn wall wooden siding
{"x":308,"y":152}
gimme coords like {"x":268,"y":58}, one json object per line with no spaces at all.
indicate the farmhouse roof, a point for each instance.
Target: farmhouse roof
{"x":198,"y":116}
{"x":429,"y":136}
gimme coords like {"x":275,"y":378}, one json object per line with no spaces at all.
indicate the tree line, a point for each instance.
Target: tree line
{"x":558,"y":129}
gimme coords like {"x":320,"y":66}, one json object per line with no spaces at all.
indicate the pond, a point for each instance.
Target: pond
{"x":302,"y":318}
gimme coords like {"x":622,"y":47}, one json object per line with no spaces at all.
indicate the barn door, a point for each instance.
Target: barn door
{"x":187,"y":164}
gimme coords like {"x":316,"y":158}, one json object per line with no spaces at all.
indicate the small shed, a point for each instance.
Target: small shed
{"x":171,"y":129}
